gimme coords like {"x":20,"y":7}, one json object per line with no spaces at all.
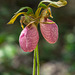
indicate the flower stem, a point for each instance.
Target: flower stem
{"x":37,"y":54}
{"x":34,"y":62}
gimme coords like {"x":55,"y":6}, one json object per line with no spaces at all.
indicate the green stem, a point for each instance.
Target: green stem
{"x":34,"y":62}
{"x":37,"y":54}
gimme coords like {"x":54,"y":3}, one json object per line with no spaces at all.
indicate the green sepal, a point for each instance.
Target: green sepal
{"x":30,"y":11}
{"x":57,"y":4}
{"x":42,"y":5}
{"x":37,"y":13}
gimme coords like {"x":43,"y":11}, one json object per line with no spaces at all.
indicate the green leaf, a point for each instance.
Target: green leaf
{"x":30,"y":11}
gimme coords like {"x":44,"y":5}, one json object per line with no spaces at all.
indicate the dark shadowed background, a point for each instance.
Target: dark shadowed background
{"x":55,"y":59}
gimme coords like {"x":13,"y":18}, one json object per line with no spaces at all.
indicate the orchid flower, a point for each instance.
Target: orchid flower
{"x":29,"y":36}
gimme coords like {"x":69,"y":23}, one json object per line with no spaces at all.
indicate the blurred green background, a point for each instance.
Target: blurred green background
{"x":55,"y":59}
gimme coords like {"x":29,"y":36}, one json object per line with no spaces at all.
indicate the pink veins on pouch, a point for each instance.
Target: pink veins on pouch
{"x":29,"y":38}
{"x":49,"y":31}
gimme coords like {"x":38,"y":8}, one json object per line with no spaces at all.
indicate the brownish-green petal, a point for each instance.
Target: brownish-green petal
{"x":56,"y":4}
{"x":15,"y":17}
{"x":30,"y":11}
{"x":38,"y":12}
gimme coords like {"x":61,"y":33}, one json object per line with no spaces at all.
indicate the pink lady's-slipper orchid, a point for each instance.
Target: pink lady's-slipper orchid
{"x":29,"y":36}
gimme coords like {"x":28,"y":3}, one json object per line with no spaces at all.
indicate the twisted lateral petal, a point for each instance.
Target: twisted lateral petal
{"x":29,"y":38}
{"x":49,"y":31}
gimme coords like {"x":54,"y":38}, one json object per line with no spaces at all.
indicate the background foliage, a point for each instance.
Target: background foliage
{"x":54,"y":59}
